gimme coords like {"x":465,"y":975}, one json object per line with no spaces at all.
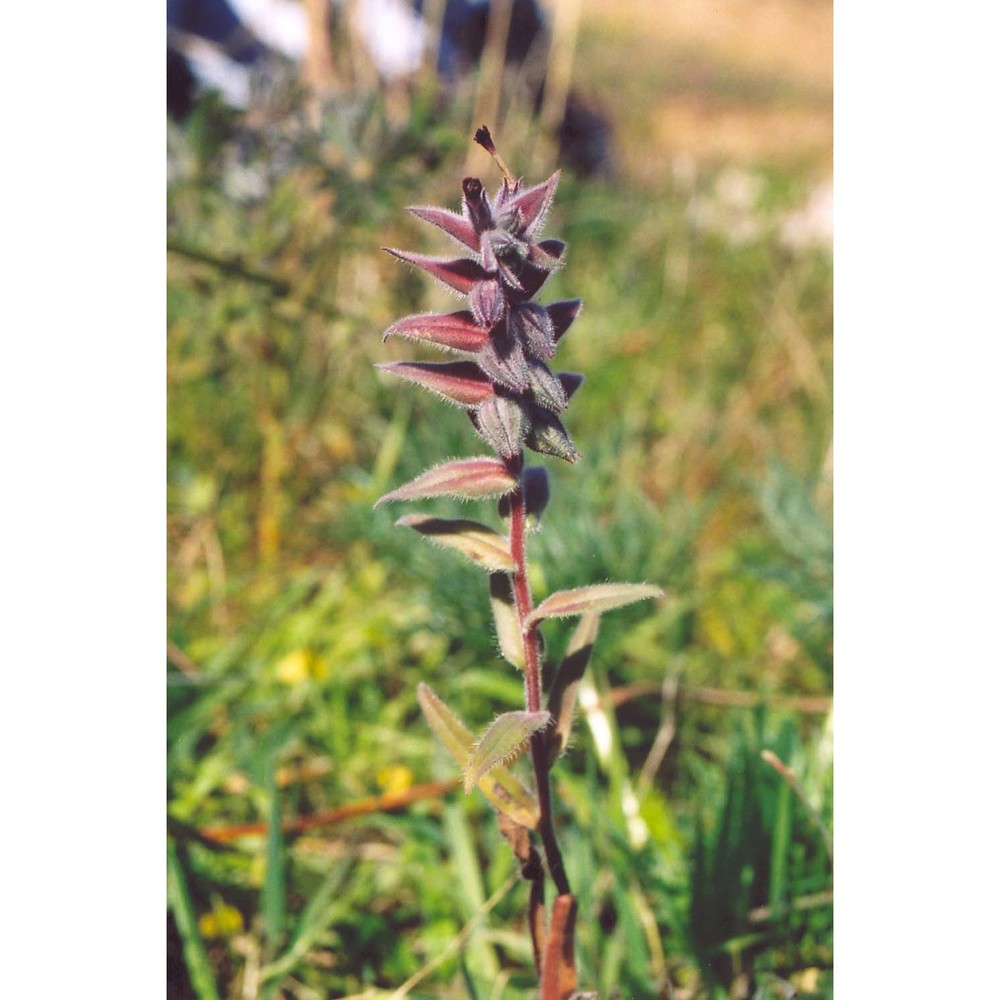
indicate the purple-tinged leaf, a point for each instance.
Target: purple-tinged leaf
{"x":547,"y":436}
{"x":467,"y":478}
{"x":487,"y":302}
{"x":460,"y":274}
{"x":570,"y":381}
{"x":597,"y":598}
{"x":502,"y":423}
{"x":504,"y":740}
{"x":562,"y":315}
{"x":562,"y":694}
{"x":456,"y":331}
{"x":508,"y":625}
{"x":500,"y":786}
{"x":532,"y":325}
{"x":525,"y":213}
{"x":477,"y":542}
{"x":456,"y":226}
{"x":458,"y":382}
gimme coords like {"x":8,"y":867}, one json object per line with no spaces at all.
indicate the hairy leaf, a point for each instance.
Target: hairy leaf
{"x":505,"y":738}
{"x":508,"y":626}
{"x":500,"y":786}
{"x":598,"y":597}
{"x":467,"y":478}
{"x":455,"y":381}
{"x":460,"y":274}
{"x":455,"y":225}
{"x":481,"y":544}
{"x":456,"y":331}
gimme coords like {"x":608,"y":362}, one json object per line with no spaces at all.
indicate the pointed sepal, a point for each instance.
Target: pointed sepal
{"x":460,"y":382}
{"x":524,"y":214}
{"x":502,"y":359}
{"x":505,"y":739}
{"x":457,"y":331}
{"x":545,"y":387}
{"x":562,"y":315}
{"x":533,"y":277}
{"x":570,"y":381}
{"x":466,"y":478}
{"x":532,"y":326}
{"x":477,"y":542}
{"x":502,"y":423}
{"x":597,"y":598}
{"x":500,"y":786}
{"x":547,"y":436}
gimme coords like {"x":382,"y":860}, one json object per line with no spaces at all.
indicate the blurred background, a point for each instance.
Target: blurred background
{"x":695,"y":142}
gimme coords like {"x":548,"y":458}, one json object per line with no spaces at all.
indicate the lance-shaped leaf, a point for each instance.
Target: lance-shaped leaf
{"x":598,"y":597}
{"x":481,"y":544}
{"x":456,"y":331}
{"x":508,"y":625}
{"x":504,"y":740}
{"x":467,"y":478}
{"x":565,"y":684}
{"x":500,"y":786}
{"x":455,"y":225}
{"x":459,"y":382}
{"x":562,"y":315}
{"x":460,"y":274}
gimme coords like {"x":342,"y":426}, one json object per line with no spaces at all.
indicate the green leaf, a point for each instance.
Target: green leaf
{"x":508,"y":625}
{"x":598,"y":598}
{"x":467,"y":478}
{"x":196,"y":958}
{"x":273,"y":890}
{"x":505,"y":738}
{"x":500,"y":786}
{"x":481,"y":544}
{"x":562,"y":694}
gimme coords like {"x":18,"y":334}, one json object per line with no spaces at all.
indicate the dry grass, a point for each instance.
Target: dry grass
{"x":736,"y":81}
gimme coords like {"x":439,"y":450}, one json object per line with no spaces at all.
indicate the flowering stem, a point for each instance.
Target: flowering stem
{"x":532,"y":676}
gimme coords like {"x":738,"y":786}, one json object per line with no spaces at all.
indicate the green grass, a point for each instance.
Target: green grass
{"x":304,"y":620}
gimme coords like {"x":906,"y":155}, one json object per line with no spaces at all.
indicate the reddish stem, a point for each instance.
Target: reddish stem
{"x":532,"y":676}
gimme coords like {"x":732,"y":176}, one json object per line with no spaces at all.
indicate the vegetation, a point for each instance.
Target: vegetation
{"x":320,"y":844}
